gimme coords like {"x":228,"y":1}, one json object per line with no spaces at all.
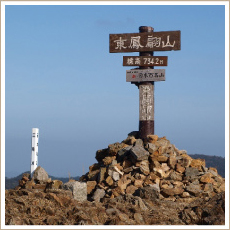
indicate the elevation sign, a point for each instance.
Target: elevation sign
{"x":139,"y":75}
{"x":146,"y":41}
{"x":145,"y":60}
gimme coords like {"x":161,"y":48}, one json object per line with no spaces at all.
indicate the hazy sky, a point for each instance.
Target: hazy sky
{"x":61,"y":78}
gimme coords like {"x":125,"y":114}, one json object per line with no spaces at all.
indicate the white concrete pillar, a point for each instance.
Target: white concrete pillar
{"x":34,"y":154}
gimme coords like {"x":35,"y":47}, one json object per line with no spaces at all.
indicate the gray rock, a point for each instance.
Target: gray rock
{"x":196,"y":182}
{"x":123,"y":152}
{"x":139,"y":142}
{"x":193,"y":189}
{"x":98,"y":195}
{"x":139,"y":153}
{"x":184,"y":162}
{"x":172,"y":191}
{"x":111,"y":211}
{"x":40,"y":175}
{"x":213,"y":172}
{"x":164,"y":142}
{"x":191,"y":172}
{"x":166,"y":155}
{"x":79,"y":190}
{"x":152,"y":147}
{"x":139,"y":218}
{"x":148,"y":192}
{"x":141,"y":204}
{"x":208,"y":188}
{"x":156,"y":187}
{"x":172,"y":161}
{"x":183,"y":151}
{"x":114,"y":162}
{"x":144,"y":167}
{"x":115,"y":175}
{"x":189,"y":216}
{"x":175,"y":176}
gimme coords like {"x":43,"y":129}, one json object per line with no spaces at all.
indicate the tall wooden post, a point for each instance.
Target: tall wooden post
{"x":146,"y":97}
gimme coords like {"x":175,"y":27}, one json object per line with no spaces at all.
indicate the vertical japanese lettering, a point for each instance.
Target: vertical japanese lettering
{"x":146,"y":102}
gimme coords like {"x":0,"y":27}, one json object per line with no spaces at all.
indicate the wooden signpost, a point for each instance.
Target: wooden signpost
{"x":145,"y":43}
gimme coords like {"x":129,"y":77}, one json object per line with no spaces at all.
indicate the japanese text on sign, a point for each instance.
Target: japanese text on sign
{"x":146,"y":102}
{"x":145,"y":61}
{"x":149,"y":41}
{"x":139,"y":75}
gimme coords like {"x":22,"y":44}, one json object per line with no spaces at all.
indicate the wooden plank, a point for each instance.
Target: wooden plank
{"x":146,"y":41}
{"x":140,"y":75}
{"x":145,"y":61}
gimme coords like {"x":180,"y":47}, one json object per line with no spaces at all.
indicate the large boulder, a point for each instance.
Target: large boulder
{"x":79,"y":190}
{"x":40,"y":175}
{"x":139,"y":153}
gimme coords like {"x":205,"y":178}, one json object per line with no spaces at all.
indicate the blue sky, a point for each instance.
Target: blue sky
{"x":61,"y":78}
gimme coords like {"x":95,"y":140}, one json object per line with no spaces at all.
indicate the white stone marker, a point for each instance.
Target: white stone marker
{"x":34,"y":154}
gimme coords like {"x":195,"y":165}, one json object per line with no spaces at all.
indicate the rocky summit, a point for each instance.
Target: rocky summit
{"x":132,"y":183}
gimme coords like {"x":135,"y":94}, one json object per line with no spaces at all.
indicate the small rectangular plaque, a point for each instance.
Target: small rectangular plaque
{"x":139,"y":75}
{"x":145,"y":61}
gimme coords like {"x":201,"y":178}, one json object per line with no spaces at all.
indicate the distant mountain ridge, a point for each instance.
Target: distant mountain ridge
{"x":211,"y":161}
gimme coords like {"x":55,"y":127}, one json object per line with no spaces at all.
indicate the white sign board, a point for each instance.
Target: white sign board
{"x":137,"y":75}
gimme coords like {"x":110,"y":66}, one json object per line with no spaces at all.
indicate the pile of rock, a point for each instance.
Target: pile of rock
{"x":133,"y":183}
{"x":40,"y":181}
{"x":130,"y":166}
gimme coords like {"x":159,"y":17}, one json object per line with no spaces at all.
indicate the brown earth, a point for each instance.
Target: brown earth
{"x":24,"y":207}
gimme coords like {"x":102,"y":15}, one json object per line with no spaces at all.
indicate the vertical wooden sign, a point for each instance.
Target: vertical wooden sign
{"x":146,"y":102}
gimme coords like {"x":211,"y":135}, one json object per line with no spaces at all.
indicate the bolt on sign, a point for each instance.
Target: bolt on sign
{"x":145,"y":61}
{"x":142,"y":42}
{"x":140,"y":75}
